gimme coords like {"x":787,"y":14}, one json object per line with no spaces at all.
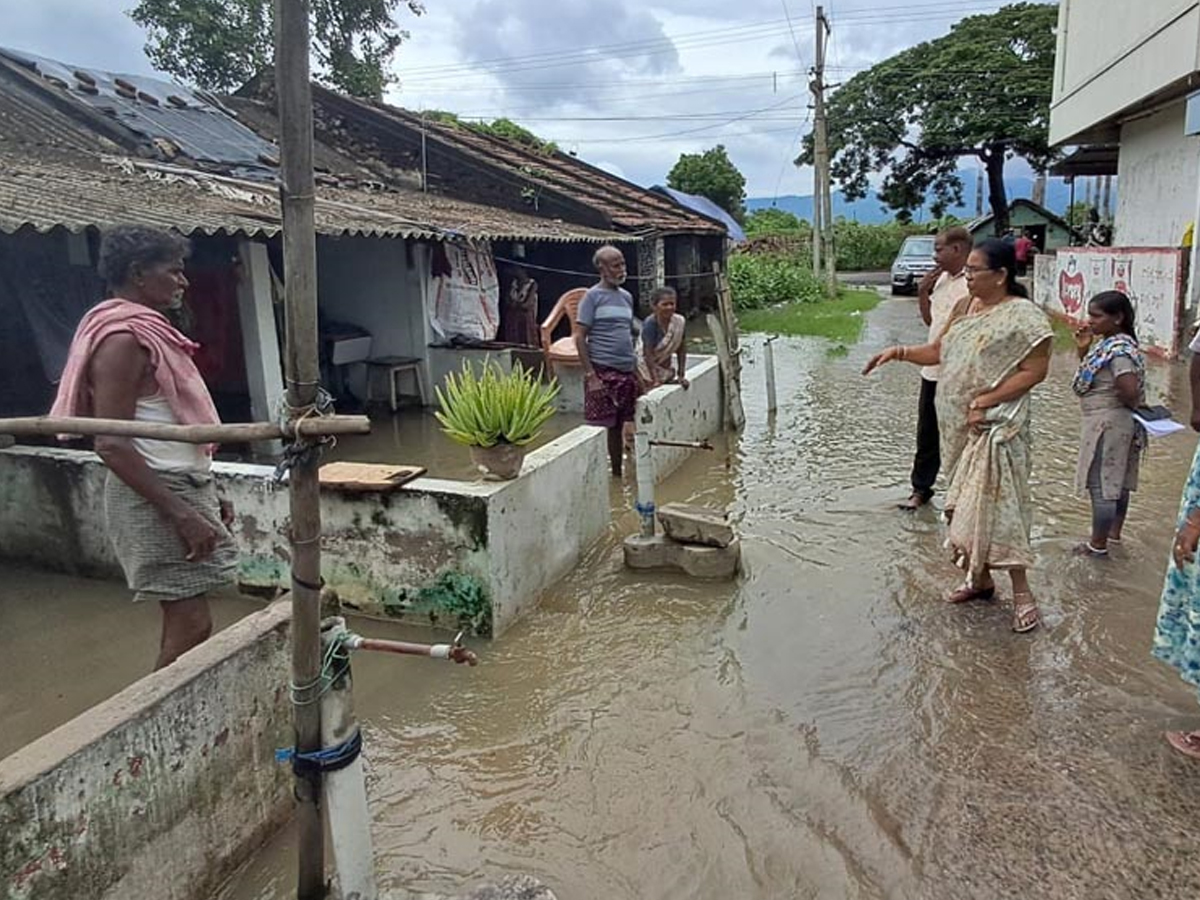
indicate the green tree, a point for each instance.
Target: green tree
{"x":770,"y":220}
{"x":1077,"y":214}
{"x":983,"y":90}
{"x":219,"y":45}
{"x":711,"y":174}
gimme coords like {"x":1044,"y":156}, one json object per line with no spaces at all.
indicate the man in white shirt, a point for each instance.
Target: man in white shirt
{"x":938,"y":294}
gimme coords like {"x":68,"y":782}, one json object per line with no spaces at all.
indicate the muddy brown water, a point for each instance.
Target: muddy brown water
{"x":826,"y":727}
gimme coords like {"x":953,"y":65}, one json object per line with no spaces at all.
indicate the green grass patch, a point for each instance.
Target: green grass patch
{"x":1064,"y":334}
{"x":839,"y":320}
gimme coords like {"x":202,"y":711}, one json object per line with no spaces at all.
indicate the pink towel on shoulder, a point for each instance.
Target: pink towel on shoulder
{"x":170,"y":354}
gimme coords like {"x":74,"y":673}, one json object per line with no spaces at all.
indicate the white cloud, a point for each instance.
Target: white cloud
{"x":92,"y":33}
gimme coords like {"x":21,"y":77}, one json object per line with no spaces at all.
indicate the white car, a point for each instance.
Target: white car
{"x":912,"y":263}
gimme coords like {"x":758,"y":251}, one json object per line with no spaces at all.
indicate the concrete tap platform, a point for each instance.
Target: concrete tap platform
{"x":660,"y":552}
{"x":696,"y":525}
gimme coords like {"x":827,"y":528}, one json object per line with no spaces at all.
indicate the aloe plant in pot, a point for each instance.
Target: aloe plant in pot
{"x":495,"y":414}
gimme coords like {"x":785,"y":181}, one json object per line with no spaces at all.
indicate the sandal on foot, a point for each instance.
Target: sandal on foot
{"x":1086,"y":549}
{"x":1185,"y":742}
{"x":1026,"y":615}
{"x":966,"y":593}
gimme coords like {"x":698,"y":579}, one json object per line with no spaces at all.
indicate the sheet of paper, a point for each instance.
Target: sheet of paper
{"x":1158,"y":427}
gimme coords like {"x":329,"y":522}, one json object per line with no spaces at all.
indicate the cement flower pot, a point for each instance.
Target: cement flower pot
{"x":502,"y":461}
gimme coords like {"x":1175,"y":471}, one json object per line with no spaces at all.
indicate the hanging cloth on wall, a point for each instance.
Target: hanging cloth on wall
{"x":467,"y":299}
{"x":53,"y":294}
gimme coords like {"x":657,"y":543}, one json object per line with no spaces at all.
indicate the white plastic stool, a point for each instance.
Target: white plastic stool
{"x":396,"y":366}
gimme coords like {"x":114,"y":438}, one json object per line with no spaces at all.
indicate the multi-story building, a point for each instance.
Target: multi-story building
{"x":1123,"y":75}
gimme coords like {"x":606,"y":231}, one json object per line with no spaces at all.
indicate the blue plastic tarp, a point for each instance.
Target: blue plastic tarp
{"x":705,"y":207}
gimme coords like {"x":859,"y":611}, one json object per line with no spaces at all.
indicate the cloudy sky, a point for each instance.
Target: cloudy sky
{"x":627,"y":84}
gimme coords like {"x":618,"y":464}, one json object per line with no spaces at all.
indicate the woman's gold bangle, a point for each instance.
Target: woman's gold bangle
{"x":903,"y":353}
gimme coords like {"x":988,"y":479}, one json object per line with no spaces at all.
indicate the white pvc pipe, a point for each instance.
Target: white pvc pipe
{"x":769,"y":364}
{"x":643,"y":457}
{"x":346,"y":800}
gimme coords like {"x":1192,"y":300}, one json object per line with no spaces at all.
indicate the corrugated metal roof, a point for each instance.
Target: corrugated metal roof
{"x":75,"y":191}
{"x":28,"y":120}
{"x":172,"y":119}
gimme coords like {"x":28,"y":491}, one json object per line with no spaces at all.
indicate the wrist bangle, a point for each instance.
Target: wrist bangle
{"x":902,"y":352}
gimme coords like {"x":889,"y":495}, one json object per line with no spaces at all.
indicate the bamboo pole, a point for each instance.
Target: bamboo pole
{"x":231,"y":433}
{"x":294,"y":90}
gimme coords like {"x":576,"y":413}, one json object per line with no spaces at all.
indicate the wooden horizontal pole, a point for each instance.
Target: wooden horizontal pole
{"x":234,"y":433}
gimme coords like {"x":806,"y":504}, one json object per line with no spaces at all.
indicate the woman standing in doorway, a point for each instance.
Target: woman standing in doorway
{"x":518,"y":320}
{"x":1110,"y":383}
{"x":993,"y":352}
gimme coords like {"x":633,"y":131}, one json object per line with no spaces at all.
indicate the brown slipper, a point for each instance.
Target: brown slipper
{"x":913,"y":503}
{"x":1185,"y":742}
{"x":967,"y":593}
{"x":1026,"y":616}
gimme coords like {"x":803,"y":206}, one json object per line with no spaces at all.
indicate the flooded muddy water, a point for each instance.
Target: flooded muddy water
{"x":826,"y":727}
{"x":68,"y":643}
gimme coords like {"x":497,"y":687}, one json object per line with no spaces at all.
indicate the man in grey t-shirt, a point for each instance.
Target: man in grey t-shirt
{"x":604,"y":338}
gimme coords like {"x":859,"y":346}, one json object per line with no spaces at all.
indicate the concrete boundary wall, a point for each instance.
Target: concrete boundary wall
{"x":163,"y":790}
{"x":671,"y":413}
{"x":380,"y":552}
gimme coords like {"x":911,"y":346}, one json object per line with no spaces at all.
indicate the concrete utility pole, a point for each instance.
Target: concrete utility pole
{"x":294,"y":89}
{"x":822,"y":194}
{"x":979,"y":192}
{"x":1106,"y":205}
{"x":1039,"y":189}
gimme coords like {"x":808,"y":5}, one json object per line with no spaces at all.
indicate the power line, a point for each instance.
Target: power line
{"x":685,"y":132}
{"x":666,"y":117}
{"x":693,"y":40}
{"x":758,"y":132}
{"x":792,"y":30}
{"x":789,"y":159}
{"x":610,"y":85}
{"x":635,"y":48}
{"x":628,"y":98}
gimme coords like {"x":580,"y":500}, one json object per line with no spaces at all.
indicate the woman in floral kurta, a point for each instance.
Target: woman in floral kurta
{"x":1177,"y":634}
{"x":993,"y":352}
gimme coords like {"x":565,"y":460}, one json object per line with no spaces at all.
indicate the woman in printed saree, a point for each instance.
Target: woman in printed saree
{"x":1177,"y":632}
{"x":663,"y":355}
{"x":993,"y":352}
{"x":1110,"y":383}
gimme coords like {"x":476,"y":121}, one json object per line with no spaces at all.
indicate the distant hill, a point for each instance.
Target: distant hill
{"x":871,"y":210}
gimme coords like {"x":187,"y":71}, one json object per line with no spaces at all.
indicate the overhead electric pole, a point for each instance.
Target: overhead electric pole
{"x":822,"y":192}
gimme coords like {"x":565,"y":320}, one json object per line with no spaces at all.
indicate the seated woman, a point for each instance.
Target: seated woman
{"x":663,"y":359}
{"x":1110,"y":383}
